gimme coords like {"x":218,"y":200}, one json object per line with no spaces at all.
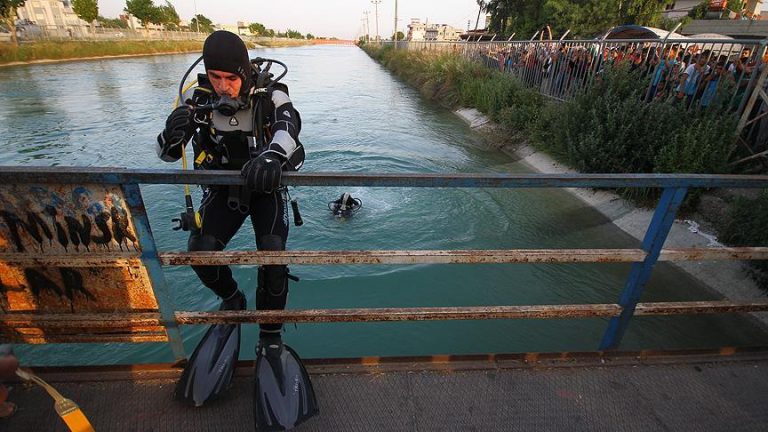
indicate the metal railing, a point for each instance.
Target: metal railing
{"x":122,"y":185}
{"x":559,"y":69}
{"x":34,"y":32}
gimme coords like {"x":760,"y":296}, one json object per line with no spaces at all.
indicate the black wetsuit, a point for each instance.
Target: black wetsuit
{"x":227,"y":142}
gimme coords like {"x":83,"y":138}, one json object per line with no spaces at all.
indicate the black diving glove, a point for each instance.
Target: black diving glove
{"x":178,"y":130}
{"x":262,"y":174}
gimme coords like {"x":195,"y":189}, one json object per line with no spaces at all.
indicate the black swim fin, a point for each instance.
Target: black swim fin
{"x":211,"y":367}
{"x":283,"y":394}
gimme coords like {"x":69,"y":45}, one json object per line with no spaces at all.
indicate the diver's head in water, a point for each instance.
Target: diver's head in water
{"x":227,"y":64}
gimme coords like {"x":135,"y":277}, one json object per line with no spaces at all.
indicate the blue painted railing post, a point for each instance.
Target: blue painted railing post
{"x":151,"y":261}
{"x":661,"y":224}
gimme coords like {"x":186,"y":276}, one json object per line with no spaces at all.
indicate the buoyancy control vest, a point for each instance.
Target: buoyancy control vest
{"x":227,"y":142}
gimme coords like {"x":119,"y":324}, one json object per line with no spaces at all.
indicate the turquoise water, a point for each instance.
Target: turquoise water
{"x":357,"y":118}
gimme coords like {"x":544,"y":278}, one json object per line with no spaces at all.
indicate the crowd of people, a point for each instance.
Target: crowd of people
{"x":681,"y":73}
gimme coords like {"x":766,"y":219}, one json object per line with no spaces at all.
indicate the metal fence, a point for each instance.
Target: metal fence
{"x":34,"y":32}
{"x":112,"y":288}
{"x":692,"y":73}
{"x":559,"y":69}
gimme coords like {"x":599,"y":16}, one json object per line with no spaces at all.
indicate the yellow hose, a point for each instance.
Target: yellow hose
{"x":66,"y":409}
{"x":187,"y":191}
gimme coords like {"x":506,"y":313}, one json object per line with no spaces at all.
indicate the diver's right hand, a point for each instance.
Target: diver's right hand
{"x":178,"y":130}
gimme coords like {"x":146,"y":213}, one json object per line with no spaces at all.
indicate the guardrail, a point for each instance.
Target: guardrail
{"x":79,"y":262}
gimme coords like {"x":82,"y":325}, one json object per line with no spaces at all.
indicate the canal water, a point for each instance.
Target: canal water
{"x":358,"y":118}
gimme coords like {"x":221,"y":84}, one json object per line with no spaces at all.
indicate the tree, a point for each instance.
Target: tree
{"x":641,"y":12}
{"x":700,"y":10}
{"x":144,"y":10}
{"x":8,"y":16}
{"x":112,"y":22}
{"x":293,"y":34}
{"x":585,"y":18}
{"x":257,"y":29}
{"x":168,"y":16}
{"x":398,"y":36}
{"x":204,"y":24}
{"x":310,"y":36}
{"x":87,"y":10}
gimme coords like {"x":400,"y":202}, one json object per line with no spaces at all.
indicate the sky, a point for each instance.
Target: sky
{"x":329,"y":18}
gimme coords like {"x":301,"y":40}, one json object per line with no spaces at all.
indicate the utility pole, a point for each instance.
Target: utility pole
{"x":367,"y":26}
{"x":395,"y":36}
{"x":197,"y":19}
{"x":376,"y":4}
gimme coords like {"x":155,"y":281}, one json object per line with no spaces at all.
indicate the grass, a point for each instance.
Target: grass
{"x":27,"y":52}
{"x":281,"y":42}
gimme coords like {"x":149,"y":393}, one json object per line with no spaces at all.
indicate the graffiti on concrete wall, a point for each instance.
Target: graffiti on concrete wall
{"x":84,"y":222}
{"x":64,"y":218}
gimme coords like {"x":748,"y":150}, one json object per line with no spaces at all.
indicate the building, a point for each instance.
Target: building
{"x":232,"y":28}
{"x":433,"y":32}
{"x":135,"y":24}
{"x":49,"y":14}
{"x":416,"y":30}
{"x":717,"y":9}
{"x":242,"y":29}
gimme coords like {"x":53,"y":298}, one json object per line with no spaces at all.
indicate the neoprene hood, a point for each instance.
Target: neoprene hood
{"x":225,"y":51}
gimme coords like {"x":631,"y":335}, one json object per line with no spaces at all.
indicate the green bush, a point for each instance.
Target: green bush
{"x":747,"y":225}
{"x":609,"y":129}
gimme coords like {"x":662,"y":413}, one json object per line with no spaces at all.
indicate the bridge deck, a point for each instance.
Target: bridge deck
{"x":595,"y":393}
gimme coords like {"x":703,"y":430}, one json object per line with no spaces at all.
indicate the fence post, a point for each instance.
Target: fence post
{"x":657,"y":233}
{"x":151,"y":261}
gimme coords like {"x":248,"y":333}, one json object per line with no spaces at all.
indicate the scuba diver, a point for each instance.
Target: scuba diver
{"x":345,"y":206}
{"x":240,"y":117}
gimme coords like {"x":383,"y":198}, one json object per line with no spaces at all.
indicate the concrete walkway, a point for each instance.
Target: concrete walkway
{"x":683,"y":393}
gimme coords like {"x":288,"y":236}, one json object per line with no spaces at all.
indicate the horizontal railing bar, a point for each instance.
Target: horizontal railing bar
{"x":400,"y":314}
{"x":714,"y":254}
{"x":330,"y":257}
{"x":464,"y":313}
{"x":155,"y":337}
{"x":403,"y":257}
{"x":700,"y":307}
{"x":115,"y":259}
{"x":456,"y":257}
{"x":82,"y":175}
{"x":118,"y":321}
{"x":99,"y":320}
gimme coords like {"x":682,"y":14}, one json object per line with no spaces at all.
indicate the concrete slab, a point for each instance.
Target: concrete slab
{"x":715,"y":395}
{"x":472,"y":117}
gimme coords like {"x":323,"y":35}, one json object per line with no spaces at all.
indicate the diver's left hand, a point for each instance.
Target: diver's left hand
{"x":262,"y":174}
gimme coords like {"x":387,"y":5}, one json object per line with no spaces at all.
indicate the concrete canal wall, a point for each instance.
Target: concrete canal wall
{"x":728,"y":278}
